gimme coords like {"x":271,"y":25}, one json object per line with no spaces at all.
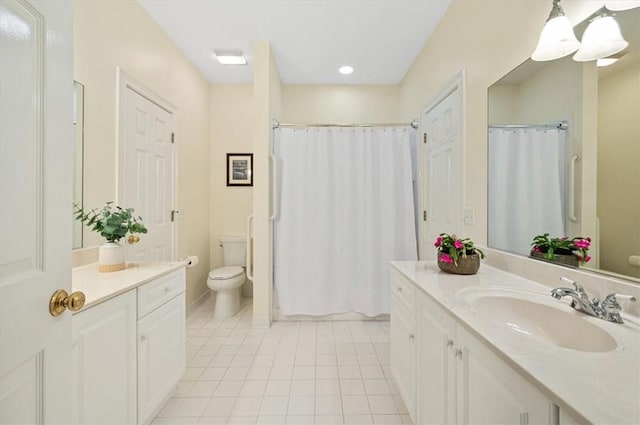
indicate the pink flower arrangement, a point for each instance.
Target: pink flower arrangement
{"x":451,"y":248}
{"x":577,"y":246}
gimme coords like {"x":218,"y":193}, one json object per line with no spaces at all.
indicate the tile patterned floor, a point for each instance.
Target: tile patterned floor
{"x":295,"y":373}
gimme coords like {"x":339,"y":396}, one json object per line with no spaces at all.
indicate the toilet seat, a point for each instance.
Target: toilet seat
{"x":228,"y":272}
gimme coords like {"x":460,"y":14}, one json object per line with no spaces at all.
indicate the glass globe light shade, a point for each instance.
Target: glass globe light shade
{"x":616,"y":5}
{"x":602,"y":38}
{"x":556,"y":40}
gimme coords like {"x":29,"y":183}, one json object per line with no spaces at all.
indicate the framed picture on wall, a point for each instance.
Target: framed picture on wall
{"x":239,"y":169}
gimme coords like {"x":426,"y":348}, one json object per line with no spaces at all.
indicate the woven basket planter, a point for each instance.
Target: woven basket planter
{"x":567,"y":260}
{"x":466,"y":265}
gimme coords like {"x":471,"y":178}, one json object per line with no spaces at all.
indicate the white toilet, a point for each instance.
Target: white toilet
{"x":227,"y":280}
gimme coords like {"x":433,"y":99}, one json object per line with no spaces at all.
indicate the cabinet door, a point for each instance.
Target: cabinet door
{"x":161,"y":356}
{"x":436,"y":366}
{"x":403,"y":354}
{"x":104,"y":359}
{"x":490,"y":392}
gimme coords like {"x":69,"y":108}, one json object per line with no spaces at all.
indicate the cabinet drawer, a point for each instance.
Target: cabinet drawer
{"x":157,"y":292}
{"x":404,"y":290}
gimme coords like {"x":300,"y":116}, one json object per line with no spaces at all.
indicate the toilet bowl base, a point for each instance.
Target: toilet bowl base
{"x":227,"y":303}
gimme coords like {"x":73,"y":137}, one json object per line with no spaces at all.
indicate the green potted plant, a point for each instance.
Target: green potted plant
{"x":112,"y":223}
{"x":456,"y":255}
{"x":572,"y":252}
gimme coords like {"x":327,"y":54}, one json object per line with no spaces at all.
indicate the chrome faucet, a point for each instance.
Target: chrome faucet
{"x":607,"y":309}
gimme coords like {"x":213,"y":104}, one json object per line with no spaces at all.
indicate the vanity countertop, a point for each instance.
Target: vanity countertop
{"x":598,"y":387}
{"x":99,"y":287}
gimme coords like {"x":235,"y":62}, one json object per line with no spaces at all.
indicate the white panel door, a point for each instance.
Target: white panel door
{"x":148,"y":175}
{"x":36,"y":164}
{"x":442,"y":170}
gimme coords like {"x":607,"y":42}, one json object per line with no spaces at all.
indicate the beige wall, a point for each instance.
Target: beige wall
{"x":546,"y":96}
{"x":340,"y":104}
{"x":121,"y":34}
{"x":619,"y":170}
{"x":231,"y":132}
{"x":488,"y":39}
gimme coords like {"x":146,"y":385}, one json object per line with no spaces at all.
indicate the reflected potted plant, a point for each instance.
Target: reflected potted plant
{"x":562,"y":250}
{"x":112,"y":223}
{"x":458,"y":256}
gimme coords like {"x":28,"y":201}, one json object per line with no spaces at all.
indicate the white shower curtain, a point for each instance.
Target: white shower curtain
{"x":346,"y":209}
{"x":526,"y":186}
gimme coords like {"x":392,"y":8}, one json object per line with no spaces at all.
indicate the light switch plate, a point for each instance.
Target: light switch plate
{"x":468,"y":216}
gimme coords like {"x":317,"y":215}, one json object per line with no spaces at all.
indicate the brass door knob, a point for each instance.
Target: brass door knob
{"x":61,"y":300}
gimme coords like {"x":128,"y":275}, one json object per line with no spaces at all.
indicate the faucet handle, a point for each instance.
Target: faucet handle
{"x":579,"y":289}
{"x":612,"y":308}
{"x":618,"y":298}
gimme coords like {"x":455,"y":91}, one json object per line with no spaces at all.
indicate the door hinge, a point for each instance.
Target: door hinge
{"x":173,"y":214}
{"x":424,"y":138}
{"x":173,"y":137}
{"x":424,"y":215}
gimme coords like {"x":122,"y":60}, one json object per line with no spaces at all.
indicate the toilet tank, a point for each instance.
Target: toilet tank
{"x":234,"y":250}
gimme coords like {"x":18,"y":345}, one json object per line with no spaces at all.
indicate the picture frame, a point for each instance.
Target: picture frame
{"x":239,"y":169}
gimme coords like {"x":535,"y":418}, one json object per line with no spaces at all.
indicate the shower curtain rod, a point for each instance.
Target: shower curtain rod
{"x":276,"y":124}
{"x":562,"y":125}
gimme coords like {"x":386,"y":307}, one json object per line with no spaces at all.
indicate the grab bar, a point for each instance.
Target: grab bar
{"x":249,"y":243}
{"x":572,"y":189}
{"x":274,"y":162}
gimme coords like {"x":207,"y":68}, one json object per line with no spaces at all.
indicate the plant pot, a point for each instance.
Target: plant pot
{"x":111,"y":257}
{"x":466,"y":265}
{"x":564,"y":259}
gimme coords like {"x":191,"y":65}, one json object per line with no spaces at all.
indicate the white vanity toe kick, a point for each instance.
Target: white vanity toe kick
{"x":99,"y":287}
{"x":600,"y":387}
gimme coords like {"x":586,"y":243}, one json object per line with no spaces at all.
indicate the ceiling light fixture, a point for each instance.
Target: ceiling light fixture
{"x":618,"y":5}
{"x":346,"y":70}
{"x":601,"y":39}
{"x":557,"y":38}
{"x":230,"y":57}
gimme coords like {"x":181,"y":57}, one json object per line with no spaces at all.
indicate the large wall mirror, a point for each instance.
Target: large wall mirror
{"x":564,"y":155}
{"x":78,"y":124}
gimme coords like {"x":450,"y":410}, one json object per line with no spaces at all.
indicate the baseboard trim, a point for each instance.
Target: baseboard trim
{"x":261,"y":322}
{"x":197,"y":303}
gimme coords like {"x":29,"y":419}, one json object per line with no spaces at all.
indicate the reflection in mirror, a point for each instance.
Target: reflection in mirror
{"x":564,"y":155}
{"x":78,"y":123}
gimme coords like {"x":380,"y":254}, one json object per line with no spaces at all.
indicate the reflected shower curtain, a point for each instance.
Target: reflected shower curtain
{"x":526,"y":186}
{"x":345,"y":209}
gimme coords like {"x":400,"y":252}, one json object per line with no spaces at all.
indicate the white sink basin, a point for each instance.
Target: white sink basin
{"x":538,"y":316}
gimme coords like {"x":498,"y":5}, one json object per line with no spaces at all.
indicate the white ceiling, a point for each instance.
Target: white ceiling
{"x":310,"y":39}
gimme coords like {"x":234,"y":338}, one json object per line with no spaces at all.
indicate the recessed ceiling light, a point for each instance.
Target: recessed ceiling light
{"x":230,"y":57}
{"x":345,"y":70}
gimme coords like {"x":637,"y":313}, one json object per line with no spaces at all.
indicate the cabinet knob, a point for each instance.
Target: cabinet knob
{"x":143,"y":337}
{"x":449,"y":342}
{"x":399,"y":289}
{"x":459,"y":353}
{"x":412,"y":337}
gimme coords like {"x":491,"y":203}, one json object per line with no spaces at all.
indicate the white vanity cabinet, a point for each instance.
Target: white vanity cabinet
{"x":403,"y":342}
{"x":459,"y":379}
{"x":104,"y":362}
{"x":129,"y":347}
{"x":161,"y":342}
